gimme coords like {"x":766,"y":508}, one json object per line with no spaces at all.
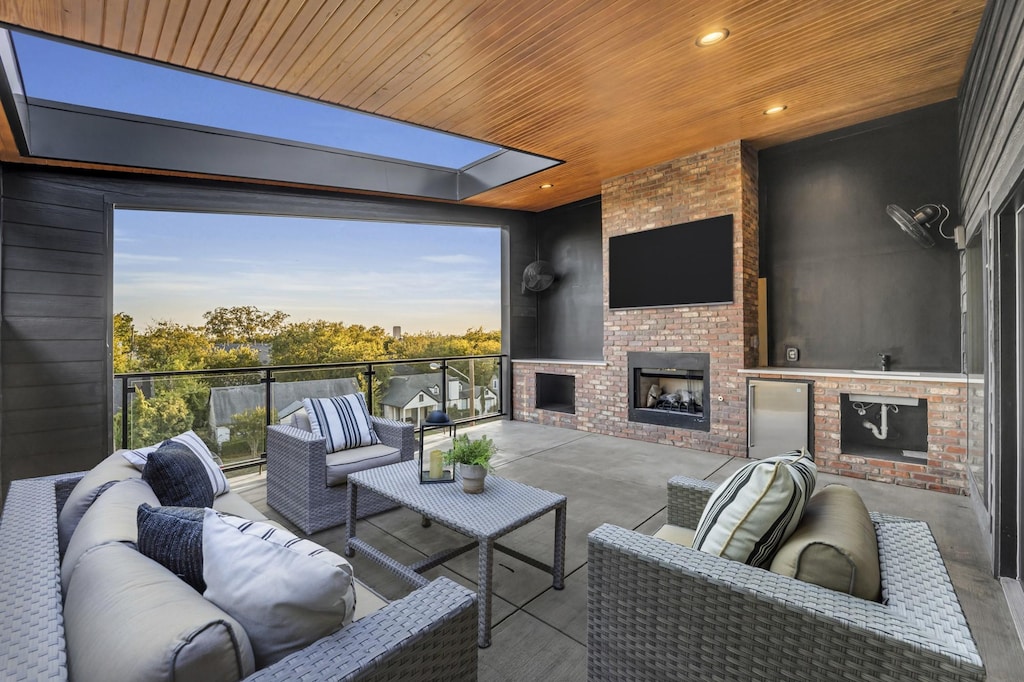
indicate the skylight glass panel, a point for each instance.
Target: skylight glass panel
{"x":80,"y":76}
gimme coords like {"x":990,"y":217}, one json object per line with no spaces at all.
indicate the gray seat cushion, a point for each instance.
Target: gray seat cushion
{"x":341,"y":464}
{"x":126,"y":617}
{"x":111,"y":518}
{"x":113,"y":468}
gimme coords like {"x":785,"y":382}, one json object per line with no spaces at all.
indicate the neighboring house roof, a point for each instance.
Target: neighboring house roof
{"x":262,"y":350}
{"x":402,"y":389}
{"x":227,"y":401}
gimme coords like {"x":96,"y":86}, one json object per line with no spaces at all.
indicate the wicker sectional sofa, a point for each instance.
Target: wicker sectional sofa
{"x":659,"y":610}
{"x":430,"y":634}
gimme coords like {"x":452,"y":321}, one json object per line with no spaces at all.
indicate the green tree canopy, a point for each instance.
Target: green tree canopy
{"x":308,"y":343}
{"x":243,"y":324}
{"x":124,"y":337}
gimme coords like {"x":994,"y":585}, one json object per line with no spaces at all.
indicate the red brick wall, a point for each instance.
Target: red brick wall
{"x":716,"y":182}
{"x":946,"y":467}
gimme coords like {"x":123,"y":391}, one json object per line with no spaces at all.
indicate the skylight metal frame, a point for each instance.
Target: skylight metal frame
{"x":62,"y":131}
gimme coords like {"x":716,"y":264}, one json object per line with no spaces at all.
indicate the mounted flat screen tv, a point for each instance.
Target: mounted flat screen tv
{"x":685,"y":264}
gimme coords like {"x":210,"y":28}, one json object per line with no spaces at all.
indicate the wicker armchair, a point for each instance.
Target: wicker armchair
{"x":297,"y":476}
{"x":657,"y":610}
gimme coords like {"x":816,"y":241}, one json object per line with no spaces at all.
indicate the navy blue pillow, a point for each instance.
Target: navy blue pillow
{"x":173,"y":537}
{"x":177,"y":477}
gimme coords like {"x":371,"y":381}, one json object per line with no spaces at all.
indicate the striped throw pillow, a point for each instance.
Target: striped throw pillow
{"x":343,"y":420}
{"x":750,"y":515}
{"x":285,"y":591}
{"x":194,"y":443}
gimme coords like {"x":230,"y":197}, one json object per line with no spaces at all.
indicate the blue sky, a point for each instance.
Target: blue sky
{"x":176,"y":266}
{"x":76,"y":75}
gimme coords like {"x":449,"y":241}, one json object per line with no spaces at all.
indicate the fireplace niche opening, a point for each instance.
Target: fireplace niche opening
{"x":670,"y":389}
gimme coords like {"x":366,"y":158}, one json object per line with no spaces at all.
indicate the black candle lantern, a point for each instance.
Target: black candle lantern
{"x":432,"y":466}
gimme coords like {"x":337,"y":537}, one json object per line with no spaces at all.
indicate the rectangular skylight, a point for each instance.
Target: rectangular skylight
{"x":60,"y":72}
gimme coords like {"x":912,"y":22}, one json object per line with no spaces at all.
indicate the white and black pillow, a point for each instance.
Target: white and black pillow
{"x":750,"y":515}
{"x":194,"y":443}
{"x":343,"y":420}
{"x":178,"y":478}
{"x":173,"y":537}
{"x":286,"y":592}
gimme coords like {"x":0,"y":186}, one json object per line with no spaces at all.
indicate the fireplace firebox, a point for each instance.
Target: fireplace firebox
{"x":670,"y":389}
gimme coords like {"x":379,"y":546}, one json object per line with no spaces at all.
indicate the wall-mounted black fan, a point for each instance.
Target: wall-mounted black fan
{"x":923,"y":217}
{"x":538,"y":276}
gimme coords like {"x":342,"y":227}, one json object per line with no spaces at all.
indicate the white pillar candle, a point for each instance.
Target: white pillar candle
{"x":436,"y":464}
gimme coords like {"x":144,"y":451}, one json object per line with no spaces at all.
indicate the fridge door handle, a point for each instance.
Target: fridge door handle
{"x":750,"y":415}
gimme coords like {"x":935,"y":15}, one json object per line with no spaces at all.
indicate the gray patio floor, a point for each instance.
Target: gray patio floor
{"x":540,"y":633}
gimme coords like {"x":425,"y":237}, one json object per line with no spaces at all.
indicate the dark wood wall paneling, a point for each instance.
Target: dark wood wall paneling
{"x":844,"y":282}
{"x":991,"y":146}
{"x":991,"y":115}
{"x":56,"y":304}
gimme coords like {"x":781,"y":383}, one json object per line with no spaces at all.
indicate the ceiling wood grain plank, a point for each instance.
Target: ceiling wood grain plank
{"x":185,"y":43}
{"x":156,"y":12}
{"x":408,"y":47}
{"x":170,"y":30}
{"x":72,"y":19}
{"x":478,"y":48}
{"x":314,"y":12}
{"x":134,"y":23}
{"x":426,"y":70}
{"x":92,"y":22}
{"x":243,"y":30}
{"x":336,"y":31}
{"x":208,"y":27}
{"x":265,"y":34}
{"x":114,"y":12}
{"x":388,"y":44}
{"x":226,"y":28}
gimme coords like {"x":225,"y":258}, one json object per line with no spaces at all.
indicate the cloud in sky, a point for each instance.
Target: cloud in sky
{"x":184,"y":264}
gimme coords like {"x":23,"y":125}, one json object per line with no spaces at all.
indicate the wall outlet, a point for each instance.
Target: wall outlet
{"x":792,"y":353}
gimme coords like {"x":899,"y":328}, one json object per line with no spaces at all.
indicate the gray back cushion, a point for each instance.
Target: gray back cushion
{"x":126,"y":617}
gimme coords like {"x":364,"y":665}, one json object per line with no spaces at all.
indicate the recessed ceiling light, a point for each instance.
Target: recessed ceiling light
{"x":546,"y":185}
{"x":778,"y":109}
{"x":712,"y":37}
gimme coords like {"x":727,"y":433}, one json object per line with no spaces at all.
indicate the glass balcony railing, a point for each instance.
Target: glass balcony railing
{"x":231,"y":408}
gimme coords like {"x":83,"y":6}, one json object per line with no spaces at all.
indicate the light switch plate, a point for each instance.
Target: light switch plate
{"x":792,"y":353}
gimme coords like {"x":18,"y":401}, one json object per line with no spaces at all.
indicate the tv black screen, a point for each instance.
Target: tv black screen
{"x":685,"y":264}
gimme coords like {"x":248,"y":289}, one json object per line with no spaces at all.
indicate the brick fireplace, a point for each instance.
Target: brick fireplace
{"x":719,"y":181}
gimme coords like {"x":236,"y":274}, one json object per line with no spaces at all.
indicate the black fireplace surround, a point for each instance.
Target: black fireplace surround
{"x":670,"y":389}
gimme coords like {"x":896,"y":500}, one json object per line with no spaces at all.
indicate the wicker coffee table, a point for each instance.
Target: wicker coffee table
{"x":502,"y":507}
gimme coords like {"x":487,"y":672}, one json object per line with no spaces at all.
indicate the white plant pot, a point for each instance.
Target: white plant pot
{"x":472,"y":477}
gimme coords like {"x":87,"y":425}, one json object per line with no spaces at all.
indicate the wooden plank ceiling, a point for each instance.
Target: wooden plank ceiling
{"x":608,"y":86}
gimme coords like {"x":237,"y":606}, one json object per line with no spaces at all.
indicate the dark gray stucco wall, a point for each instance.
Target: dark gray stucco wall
{"x":570,"y":315}
{"x":844,"y":282}
{"x":55,"y":301}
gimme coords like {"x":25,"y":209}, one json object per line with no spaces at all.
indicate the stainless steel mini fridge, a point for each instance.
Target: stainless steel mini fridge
{"x":778,"y":417}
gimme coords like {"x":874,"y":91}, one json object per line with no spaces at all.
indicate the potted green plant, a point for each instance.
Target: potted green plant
{"x":474,"y":459}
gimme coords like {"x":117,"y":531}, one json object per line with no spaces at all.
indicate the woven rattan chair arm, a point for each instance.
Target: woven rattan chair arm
{"x":428,"y":635}
{"x":298,"y":452}
{"x":396,"y":434}
{"x":687,"y":498}
{"x":32,"y":645}
{"x":657,"y":610}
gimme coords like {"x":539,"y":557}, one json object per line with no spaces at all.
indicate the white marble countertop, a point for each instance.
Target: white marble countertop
{"x":872,"y":374}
